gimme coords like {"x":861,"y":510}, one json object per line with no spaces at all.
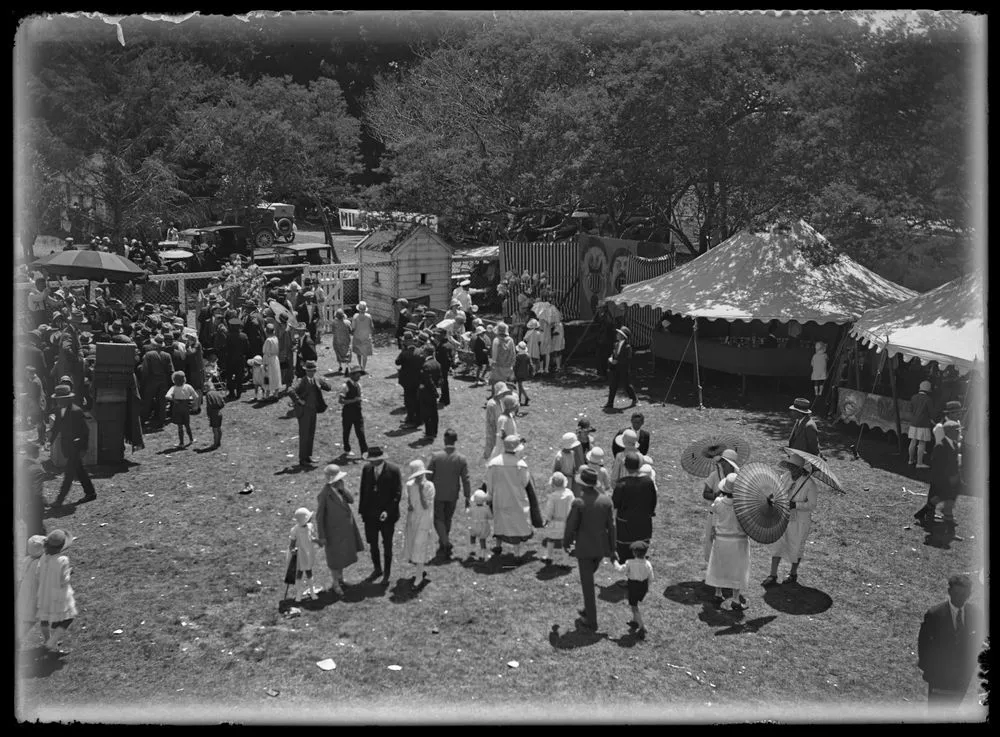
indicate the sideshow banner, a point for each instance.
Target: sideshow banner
{"x":872,"y":410}
{"x":604,"y":266}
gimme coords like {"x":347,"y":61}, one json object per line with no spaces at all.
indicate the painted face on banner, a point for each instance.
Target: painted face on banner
{"x":593,"y":277}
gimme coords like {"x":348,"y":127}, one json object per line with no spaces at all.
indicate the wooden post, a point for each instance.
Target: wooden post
{"x":856,"y":354}
{"x":697,"y":374}
{"x":182,"y":296}
{"x":895,"y":400}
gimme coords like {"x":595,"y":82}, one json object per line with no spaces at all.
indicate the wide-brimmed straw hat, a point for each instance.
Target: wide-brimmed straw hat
{"x":801,"y":405}
{"x":417,"y":468}
{"x":570,"y":441}
{"x":334,"y":473}
{"x":521,"y":347}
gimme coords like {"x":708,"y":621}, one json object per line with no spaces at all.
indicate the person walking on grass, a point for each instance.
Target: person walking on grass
{"x":351,"y":413}
{"x":493,"y":409}
{"x":945,"y":480}
{"x":642,"y":435}
{"x":362,"y":328}
{"x":307,"y":402}
{"x":567,"y":461}
{"x":215,"y":402}
{"x":301,"y":542}
{"x":502,"y":355}
{"x":27,"y":588}
{"x":919,"y":432}
{"x":444,"y":354}
{"x":336,"y":530}
{"x":804,"y":435}
{"x":634,"y":500}
{"x":522,"y":371}
{"x":792,"y":544}
{"x":480,"y":524}
{"x":533,"y":343}
{"x":418,"y":537}
{"x":620,"y":368}
{"x":555,"y":513}
{"x":480,"y":354}
{"x":450,"y":470}
{"x":272,"y":363}
{"x":727,"y":549}
{"x":341,"y":328}
{"x":590,"y":535}
{"x":427,"y":393}
{"x":70,"y":426}
{"x":56,"y":603}
{"x":181,"y":397}
{"x":378,"y":506}
{"x":639,"y":574}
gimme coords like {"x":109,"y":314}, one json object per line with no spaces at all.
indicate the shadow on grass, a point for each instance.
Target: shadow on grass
{"x":401,"y":431}
{"x":497,"y":563}
{"x":405,"y":589}
{"x":628,"y":640}
{"x":791,"y":598}
{"x":39,"y":662}
{"x":59,"y":512}
{"x":689,"y":592}
{"x":421,"y":442}
{"x":612,"y":593}
{"x":169,"y":451}
{"x":719,"y":617}
{"x":398,"y":411}
{"x":288,"y":470}
{"x":937,"y":536}
{"x":555,"y":570}
{"x":572,"y":639}
{"x":750,"y":625}
{"x":111,"y":469}
{"x":206,"y":449}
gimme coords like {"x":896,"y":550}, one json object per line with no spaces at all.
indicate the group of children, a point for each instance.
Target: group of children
{"x":44,"y":594}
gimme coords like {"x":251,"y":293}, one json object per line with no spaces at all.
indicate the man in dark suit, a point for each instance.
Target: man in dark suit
{"x":74,"y":437}
{"x":450,"y":470}
{"x":157,"y":368}
{"x":804,"y":435}
{"x":634,"y":500}
{"x":638,"y":419}
{"x":307,"y":396}
{"x":948,"y":644}
{"x":620,"y":368}
{"x":590,"y":527}
{"x":410,"y":363}
{"x":444,"y":355}
{"x":427,"y":393}
{"x":378,"y":505}
{"x":237,"y":348}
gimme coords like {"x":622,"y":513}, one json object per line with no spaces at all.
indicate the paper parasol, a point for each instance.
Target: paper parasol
{"x":698,"y":459}
{"x":821,"y":471}
{"x":760,"y":502}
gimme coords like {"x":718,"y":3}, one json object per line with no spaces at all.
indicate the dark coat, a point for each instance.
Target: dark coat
{"x":634,"y":500}
{"x":944,"y":472}
{"x":805,"y":436}
{"x":336,"y":528}
{"x":74,"y":435}
{"x":444,"y":355}
{"x":410,"y":365}
{"x":430,"y":376}
{"x":623,"y":358}
{"x":382,"y":495}
{"x":643,"y":442}
{"x":947,"y":657}
{"x":237,"y":347}
{"x":591,"y":526}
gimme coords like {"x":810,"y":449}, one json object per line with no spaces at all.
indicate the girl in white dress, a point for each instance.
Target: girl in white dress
{"x":819,"y":368}
{"x":556,"y":511}
{"x":480,"y":517}
{"x":505,"y":423}
{"x":272,"y":364}
{"x":727,"y":548}
{"x":419,"y":535}
{"x":56,"y":603}
{"x":362,"y":327}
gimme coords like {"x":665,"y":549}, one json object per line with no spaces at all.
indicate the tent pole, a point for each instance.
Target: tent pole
{"x":878,"y":374}
{"x":680,"y":363}
{"x":895,"y":400}
{"x":697,"y":374}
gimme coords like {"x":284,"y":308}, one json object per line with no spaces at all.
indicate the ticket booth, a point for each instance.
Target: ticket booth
{"x":113,"y":376}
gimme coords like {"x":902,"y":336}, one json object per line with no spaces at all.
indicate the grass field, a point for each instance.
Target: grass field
{"x":179,"y":579}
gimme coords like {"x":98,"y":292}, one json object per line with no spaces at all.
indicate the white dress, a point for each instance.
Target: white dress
{"x":55,"y":595}
{"x":303,"y":535}
{"x":819,"y":366}
{"x":418,"y":537}
{"x":791,"y":545}
{"x":558,"y":339}
{"x":556,"y":511}
{"x":272,"y":366}
{"x":727,"y":548}
{"x":505,"y":426}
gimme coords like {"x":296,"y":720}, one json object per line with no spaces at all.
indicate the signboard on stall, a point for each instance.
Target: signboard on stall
{"x":874,"y":411}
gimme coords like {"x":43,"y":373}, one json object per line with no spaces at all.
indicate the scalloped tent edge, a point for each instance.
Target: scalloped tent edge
{"x":959,"y":300}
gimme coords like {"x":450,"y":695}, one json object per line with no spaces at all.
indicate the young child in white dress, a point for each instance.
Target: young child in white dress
{"x":256,"y":365}
{"x":481,"y":517}
{"x":27,"y":588}
{"x":181,"y":397}
{"x":56,"y":603}
{"x":639,"y":573}
{"x":302,"y":541}
{"x":533,"y":342}
{"x":556,"y":511}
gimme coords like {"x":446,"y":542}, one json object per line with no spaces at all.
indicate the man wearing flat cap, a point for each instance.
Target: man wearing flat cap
{"x":307,"y":402}
{"x":74,"y":437}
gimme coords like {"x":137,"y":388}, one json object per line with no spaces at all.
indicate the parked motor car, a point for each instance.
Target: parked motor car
{"x":284,"y":220}
{"x":259,"y":222}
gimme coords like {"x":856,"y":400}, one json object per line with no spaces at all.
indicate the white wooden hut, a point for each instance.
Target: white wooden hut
{"x":412,"y":262}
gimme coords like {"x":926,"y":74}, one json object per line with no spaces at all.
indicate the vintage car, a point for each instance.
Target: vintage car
{"x":315,"y":254}
{"x":284,"y":219}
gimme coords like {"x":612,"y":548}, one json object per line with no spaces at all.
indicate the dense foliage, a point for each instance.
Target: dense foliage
{"x":517,"y":125}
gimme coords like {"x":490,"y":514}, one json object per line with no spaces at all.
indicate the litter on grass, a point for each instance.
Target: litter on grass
{"x":513,"y":664}
{"x":327,"y":664}
{"x":395,"y":667}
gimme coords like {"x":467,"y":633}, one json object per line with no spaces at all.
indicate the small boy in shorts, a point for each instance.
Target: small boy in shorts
{"x":640,"y":574}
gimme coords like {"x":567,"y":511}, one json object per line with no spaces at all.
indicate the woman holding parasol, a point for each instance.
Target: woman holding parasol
{"x":727,"y":548}
{"x":802,"y":491}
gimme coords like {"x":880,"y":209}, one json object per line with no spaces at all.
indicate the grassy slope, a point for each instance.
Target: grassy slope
{"x":192,"y":573}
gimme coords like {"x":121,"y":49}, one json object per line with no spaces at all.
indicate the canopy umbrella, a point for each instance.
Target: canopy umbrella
{"x":821,"y":470}
{"x":547,"y":312}
{"x":698,"y":459}
{"x":93,"y":265}
{"x":760,"y":502}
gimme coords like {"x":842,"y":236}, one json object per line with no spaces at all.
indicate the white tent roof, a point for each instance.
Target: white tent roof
{"x":943,"y":325}
{"x":767,"y":276}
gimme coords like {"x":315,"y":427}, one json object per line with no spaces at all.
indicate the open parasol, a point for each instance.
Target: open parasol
{"x":93,"y":265}
{"x":821,"y":471}
{"x":174,"y":254}
{"x":760,"y":502}
{"x":278,"y":309}
{"x":698,"y":459}
{"x":546,"y":311}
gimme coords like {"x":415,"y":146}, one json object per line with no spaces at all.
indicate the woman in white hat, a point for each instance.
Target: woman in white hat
{"x":792,"y":544}
{"x":362,"y":327}
{"x":567,"y":460}
{"x":505,"y":422}
{"x":629,"y":441}
{"x":595,"y":461}
{"x":727,"y":548}
{"x":503,"y":354}
{"x":506,"y":482}
{"x":336,"y":529}
{"x":418,"y":536}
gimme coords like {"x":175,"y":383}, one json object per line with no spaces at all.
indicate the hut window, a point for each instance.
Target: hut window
{"x":423,"y":280}
{"x":376,"y":280}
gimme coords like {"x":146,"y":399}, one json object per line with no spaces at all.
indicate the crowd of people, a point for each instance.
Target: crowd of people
{"x":594,"y":505}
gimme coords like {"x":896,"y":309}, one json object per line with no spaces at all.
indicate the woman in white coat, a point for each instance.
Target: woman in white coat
{"x":727,"y":548}
{"x":791,"y":545}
